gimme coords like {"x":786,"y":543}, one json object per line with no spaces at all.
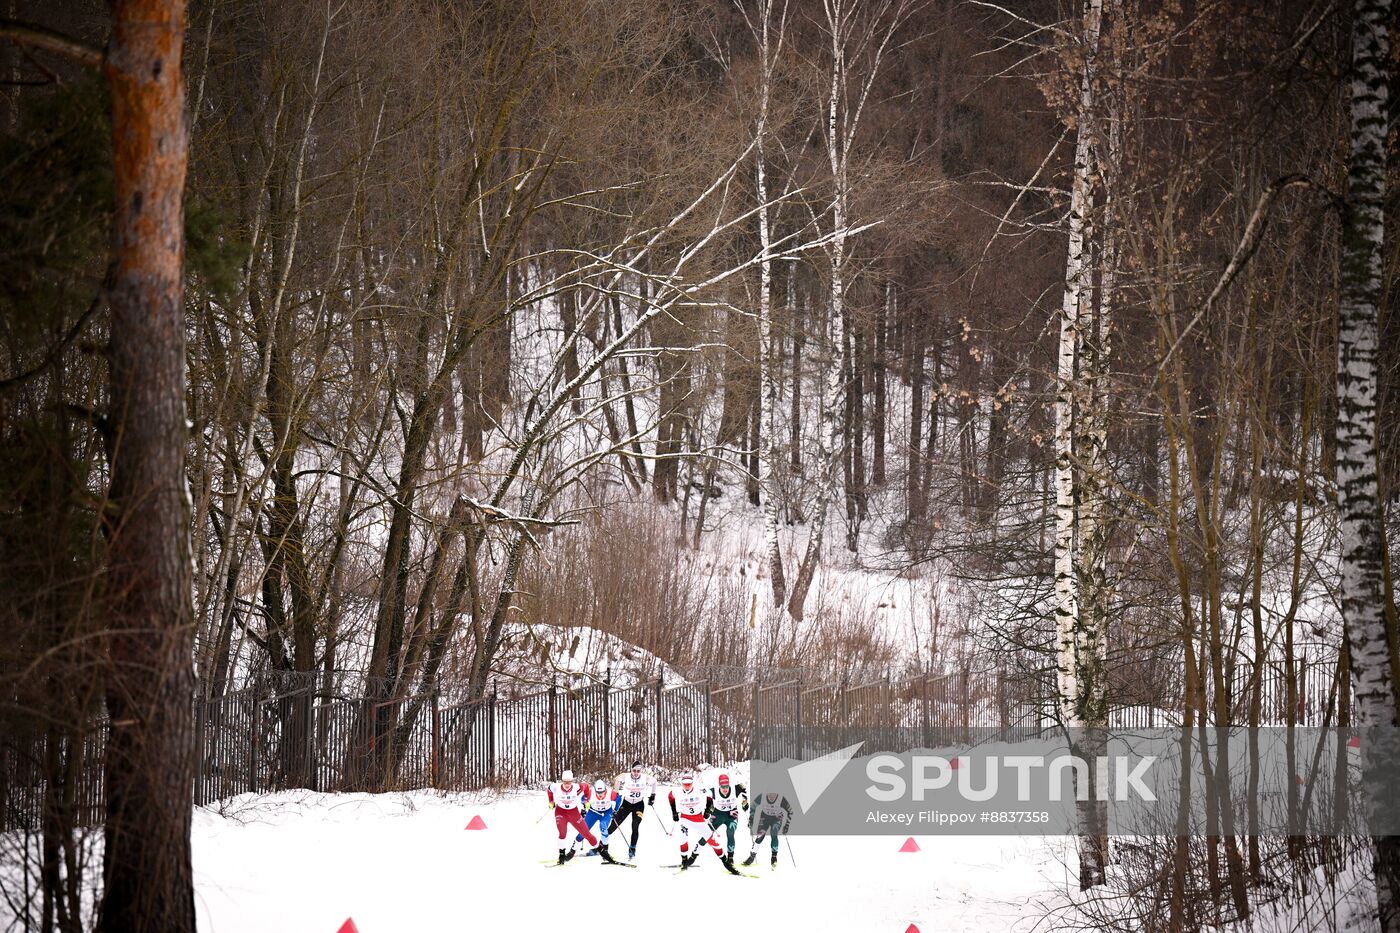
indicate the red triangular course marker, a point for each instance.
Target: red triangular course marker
{"x":477,"y":823}
{"x":1354,"y":741}
{"x":912,"y":929}
{"x":909,"y":846}
{"x":348,"y":927}
{"x":952,"y":766}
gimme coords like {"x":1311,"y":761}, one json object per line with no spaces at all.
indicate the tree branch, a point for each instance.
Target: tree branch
{"x":1253,"y":233}
{"x":41,"y":37}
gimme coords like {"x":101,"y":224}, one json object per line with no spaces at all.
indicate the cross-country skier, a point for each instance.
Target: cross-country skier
{"x":691,"y":807}
{"x":771,"y":815}
{"x":637,"y":789}
{"x":600,"y":813}
{"x":567,"y":799}
{"x":726,"y":802}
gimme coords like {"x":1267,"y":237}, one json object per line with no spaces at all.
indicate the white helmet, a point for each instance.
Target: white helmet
{"x":600,"y":787}
{"x":567,"y":776}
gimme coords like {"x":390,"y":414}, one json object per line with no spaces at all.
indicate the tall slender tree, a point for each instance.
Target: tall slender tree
{"x":149,"y":779}
{"x":1079,"y":548}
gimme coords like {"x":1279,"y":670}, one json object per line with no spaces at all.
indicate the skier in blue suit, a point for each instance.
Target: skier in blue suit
{"x":600,"y":814}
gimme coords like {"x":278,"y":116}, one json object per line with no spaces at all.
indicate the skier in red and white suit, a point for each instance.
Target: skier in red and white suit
{"x":567,"y":799}
{"x":691,"y":807}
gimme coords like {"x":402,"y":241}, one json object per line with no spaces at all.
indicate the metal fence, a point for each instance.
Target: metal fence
{"x":284,"y":732}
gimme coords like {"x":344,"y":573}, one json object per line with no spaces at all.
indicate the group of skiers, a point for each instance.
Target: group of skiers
{"x":703,"y":815}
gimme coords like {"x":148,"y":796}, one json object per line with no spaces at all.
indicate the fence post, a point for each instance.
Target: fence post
{"x":709,"y":745}
{"x":607,"y":717}
{"x":199,"y":714}
{"x":799,"y":716}
{"x":845,"y":711}
{"x":254,"y":727}
{"x":927,"y":742}
{"x":1005,"y":723}
{"x":966,"y":707}
{"x":753,"y":720}
{"x":659,"y":684}
{"x":887,"y":723}
{"x":491,"y":737}
{"x":309,"y":738}
{"x":435,"y":758}
{"x":553,"y":724}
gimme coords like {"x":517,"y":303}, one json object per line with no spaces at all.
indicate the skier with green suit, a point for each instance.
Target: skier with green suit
{"x":726,"y":802}
{"x":771,"y":815}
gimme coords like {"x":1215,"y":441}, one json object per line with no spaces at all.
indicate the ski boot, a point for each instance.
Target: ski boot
{"x":569,"y":854}
{"x":728,"y":863}
{"x":773,"y":862}
{"x":688,"y":860}
{"x":749,"y":860}
{"x":602,"y":851}
{"x":562,"y":860}
{"x":631,"y":853}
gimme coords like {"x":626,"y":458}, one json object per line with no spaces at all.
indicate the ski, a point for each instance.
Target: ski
{"x":738,"y":872}
{"x":681,"y":871}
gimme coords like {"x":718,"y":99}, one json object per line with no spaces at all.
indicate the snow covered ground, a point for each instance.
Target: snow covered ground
{"x":304,"y":863}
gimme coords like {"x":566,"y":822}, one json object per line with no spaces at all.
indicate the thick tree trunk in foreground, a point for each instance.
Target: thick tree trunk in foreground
{"x":1363,"y":590}
{"x":150,"y":756}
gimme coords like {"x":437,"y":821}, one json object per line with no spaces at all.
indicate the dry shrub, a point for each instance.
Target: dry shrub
{"x":626,"y":572}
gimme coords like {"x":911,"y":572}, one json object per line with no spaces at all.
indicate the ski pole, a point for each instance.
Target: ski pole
{"x":787,"y":839}
{"x":658,"y":820}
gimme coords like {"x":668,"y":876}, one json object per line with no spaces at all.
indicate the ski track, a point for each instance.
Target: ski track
{"x":304,"y":863}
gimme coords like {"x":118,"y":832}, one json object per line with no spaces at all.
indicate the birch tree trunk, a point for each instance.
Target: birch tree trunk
{"x":846,"y":99}
{"x":828,"y":453}
{"x":1358,"y":502}
{"x":1079,"y":635}
{"x":149,"y":767}
{"x":768,"y":450}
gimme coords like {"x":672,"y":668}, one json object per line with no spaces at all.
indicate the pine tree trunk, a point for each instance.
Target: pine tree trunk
{"x":149,"y":768}
{"x":1362,"y":543}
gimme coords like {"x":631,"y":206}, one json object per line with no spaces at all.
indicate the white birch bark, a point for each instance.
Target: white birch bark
{"x":845,"y":105}
{"x":1067,"y":388}
{"x":768,"y":400}
{"x":1080,"y":432}
{"x":1362,"y":590}
{"x":769,"y":425}
{"x":827,"y":452}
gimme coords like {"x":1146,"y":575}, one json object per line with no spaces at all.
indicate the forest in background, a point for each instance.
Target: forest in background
{"x":686,"y":320}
